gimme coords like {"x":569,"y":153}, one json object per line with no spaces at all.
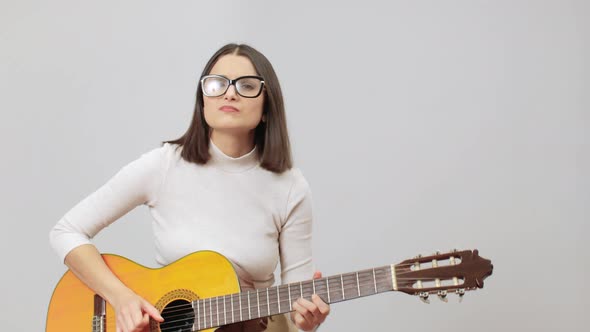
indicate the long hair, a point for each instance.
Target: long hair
{"x":271,"y":137}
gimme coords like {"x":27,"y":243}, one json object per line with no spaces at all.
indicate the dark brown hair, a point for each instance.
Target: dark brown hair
{"x":271,"y":137}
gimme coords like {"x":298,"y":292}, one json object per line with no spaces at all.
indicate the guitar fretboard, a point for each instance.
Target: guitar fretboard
{"x":239,"y":307}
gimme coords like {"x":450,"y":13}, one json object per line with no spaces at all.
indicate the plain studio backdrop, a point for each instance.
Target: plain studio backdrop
{"x":420,"y":126}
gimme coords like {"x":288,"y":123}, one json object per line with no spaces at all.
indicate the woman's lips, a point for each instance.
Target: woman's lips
{"x":228,"y":109}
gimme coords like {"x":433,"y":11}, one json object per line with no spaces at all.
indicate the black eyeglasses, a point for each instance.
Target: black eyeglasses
{"x":246,"y":86}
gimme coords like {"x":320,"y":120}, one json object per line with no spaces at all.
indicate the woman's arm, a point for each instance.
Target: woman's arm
{"x":135,"y":184}
{"x":296,"y":257}
{"x":132,"y":311}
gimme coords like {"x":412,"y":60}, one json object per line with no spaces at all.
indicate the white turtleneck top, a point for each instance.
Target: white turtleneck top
{"x":230,"y":205}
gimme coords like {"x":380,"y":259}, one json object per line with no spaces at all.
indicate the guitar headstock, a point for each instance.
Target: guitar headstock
{"x":441,"y":273}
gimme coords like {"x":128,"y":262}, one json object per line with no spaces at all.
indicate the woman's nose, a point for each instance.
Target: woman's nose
{"x":231,"y":92}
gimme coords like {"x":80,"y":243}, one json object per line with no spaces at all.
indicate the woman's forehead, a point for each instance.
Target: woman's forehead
{"x":233,"y":66}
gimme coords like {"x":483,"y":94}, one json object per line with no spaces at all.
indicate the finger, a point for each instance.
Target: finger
{"x":145,"y":320}
{"x":302,"y":312}
{"x":322,"y":306}
{"x":121,"y":324}
{"x":300,"y":321}
{"x":317,"y":275}
{"x":312,"y":312}
{"x":310,"y":306}
{"x":152,"y":311}
{"x":137,"y":316}
{"x":323,"y":309}
{"x":126,"y":322}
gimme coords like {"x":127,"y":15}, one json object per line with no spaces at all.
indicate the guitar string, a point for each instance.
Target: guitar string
{"x":263,"y":305}
{"x":247,"y":309}
{"x":217,"y":323}
{"x":211,"y":318}
{"x":308,"y":290}
{"x":349,"y":285}
{"x":198,"y":322}
{"x":213,"y":314}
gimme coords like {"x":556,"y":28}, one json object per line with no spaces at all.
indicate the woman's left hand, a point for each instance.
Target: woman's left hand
{"x":309,"y":314}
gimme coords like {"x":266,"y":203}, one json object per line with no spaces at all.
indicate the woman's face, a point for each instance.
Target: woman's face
{"x":231,"y":112}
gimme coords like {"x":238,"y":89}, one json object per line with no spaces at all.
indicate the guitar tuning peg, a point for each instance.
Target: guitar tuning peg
{"x":424,"y":297}
{"x":461,"y":293}
{"x":442,"y":295}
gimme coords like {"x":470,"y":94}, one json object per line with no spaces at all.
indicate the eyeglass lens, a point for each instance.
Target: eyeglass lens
{"x":214,"y":86}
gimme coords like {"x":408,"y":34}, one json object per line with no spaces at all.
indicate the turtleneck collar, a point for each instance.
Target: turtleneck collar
{"x":230,"y":164}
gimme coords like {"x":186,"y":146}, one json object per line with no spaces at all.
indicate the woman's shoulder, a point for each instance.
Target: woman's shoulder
{"x":156,"y":157}
{"x":163,"y":152}
{"x":295,"y":179}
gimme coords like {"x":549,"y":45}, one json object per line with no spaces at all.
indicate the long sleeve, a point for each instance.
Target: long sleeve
{"x":296,"y":234}
{"x":295,"y":239}
{"x":136,"y":183}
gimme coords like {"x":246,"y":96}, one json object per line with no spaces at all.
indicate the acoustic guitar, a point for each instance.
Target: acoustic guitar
{"x":201,"y":292}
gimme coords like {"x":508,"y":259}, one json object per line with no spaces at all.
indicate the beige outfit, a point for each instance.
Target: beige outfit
{"x":233,"y":206}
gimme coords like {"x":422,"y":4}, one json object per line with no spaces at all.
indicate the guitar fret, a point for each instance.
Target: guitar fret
{"x":217,"y":307}
{"x":313,"y":285}
{"x":374,"y":281}
{"x":211,"y":310}
{"x":342,"y":284}
{"x":249,"y":314}
{"x":279,"y":298}
{"x":248,"y":306}
{"x":240,"y":297}
{"x":301,"y":289}
{"x":328,"y":289}
{"x":289,"y":290}
{"x":358,"y":285}
{"x":224,"y":313}
{"x":258,"y":302}
{"x":267,"y":301}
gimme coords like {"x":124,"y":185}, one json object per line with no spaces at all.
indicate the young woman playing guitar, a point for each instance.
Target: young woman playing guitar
{"x":227,"y":185}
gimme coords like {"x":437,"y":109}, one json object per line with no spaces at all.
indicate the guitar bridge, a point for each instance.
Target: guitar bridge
{"x":99,"y":317}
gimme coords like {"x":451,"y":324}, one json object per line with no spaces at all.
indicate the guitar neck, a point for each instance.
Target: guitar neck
{"x":264,"y":302}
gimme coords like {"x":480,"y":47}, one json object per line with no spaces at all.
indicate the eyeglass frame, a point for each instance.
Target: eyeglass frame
{"x":232,"y":82}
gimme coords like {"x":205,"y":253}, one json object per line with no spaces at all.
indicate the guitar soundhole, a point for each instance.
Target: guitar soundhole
{"x":178,"y":317}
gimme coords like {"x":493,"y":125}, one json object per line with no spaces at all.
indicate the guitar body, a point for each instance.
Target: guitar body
{"x":201,"y":274}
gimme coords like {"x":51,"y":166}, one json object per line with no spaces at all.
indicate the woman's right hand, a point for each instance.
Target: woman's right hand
{"x":133,"y":312}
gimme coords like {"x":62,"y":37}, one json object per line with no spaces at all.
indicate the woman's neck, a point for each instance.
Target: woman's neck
{"x":232,"y":144}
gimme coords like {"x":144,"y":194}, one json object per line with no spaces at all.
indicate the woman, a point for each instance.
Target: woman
{"x":226,"y":185}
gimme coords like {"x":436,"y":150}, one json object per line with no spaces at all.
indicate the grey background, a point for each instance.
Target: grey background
{"x":471,"y":132}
